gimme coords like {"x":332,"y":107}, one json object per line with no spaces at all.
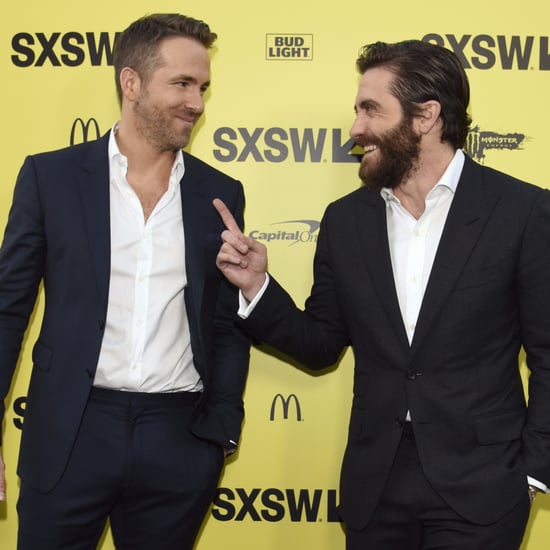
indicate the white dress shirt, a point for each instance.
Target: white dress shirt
{"x":147,"y":345}
{"x":413,"y":243}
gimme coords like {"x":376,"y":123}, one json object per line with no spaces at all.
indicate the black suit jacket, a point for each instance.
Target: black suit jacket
{"x":488,"y":294}
{"x":58,"y":232}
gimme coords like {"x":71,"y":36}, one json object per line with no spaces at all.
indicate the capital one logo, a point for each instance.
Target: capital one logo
{"x":285,"y":406}
{"x":82,"y":132}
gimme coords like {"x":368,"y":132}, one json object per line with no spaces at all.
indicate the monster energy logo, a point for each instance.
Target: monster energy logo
{"x":478,"y":142}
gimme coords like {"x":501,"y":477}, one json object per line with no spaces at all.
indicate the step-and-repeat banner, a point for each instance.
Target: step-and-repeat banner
{"x":277,"y":118}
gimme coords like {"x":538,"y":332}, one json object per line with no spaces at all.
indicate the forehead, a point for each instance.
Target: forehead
{"x":178,"y":52}
{"x":375,"y":84}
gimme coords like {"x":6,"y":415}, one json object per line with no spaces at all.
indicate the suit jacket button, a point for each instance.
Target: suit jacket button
{"x":411,"y":375}
{"x":399,"y":422}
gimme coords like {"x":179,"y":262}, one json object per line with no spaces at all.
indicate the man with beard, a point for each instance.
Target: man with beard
{"x":436,"y":272}
{"x":136,"y":388}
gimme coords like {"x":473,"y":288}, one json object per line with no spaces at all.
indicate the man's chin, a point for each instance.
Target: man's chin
{"x":373,"y":183}
{"x":366,"y":177}
{"x":179,"y":144}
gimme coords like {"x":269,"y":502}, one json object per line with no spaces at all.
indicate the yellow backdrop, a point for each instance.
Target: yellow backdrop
{"x":277,"y":118}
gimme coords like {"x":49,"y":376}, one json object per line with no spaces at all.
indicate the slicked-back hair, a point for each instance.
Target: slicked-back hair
{"x":424,"y":72}
{"x":137,"y":47}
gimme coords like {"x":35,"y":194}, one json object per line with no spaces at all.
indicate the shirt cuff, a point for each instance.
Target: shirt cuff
{"x":538,"y":484}
{"x":245,"y":307}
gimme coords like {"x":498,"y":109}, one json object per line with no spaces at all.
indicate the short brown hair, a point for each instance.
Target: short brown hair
{"x":137,"y":47}
{"x":425,"y":72}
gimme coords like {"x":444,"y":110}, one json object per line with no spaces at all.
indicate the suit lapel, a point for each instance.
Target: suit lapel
{"x":94,"y":192}
{"x":373,"y":236}
{"x":468,"y":215}
{"x":194,"y":230}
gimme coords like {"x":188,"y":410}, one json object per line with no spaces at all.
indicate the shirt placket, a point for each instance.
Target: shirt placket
{"x":416,"y":257}
{"x":141,"y":300}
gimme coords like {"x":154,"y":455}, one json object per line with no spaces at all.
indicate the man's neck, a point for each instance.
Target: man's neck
{"x":143,"y":158}
{"x":430,"y":168}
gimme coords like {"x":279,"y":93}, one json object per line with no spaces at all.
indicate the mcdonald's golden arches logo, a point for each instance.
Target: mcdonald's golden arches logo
{"x":285,"y":405}
{"x":82,"y":132}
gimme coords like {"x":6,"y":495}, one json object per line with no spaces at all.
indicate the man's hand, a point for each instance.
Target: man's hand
{"x":2,"y":480}
{"x":241,"y":259}
{"x":532,"y":493}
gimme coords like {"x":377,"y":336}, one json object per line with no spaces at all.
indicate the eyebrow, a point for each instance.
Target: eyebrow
{"x":366,"y":103}
{"x":191,"y":80}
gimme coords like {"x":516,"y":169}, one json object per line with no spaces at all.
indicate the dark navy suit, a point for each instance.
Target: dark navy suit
{"x":58,"y":232}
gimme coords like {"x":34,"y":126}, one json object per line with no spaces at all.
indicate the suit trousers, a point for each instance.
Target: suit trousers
{"x":135,"y":462}
{"x":412,"y":516}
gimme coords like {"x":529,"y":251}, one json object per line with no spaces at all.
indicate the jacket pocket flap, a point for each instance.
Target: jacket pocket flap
{"x":498,"y":428}
{"x":42,"y":356}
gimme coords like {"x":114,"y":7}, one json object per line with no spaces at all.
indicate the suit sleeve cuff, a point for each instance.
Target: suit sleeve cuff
{"x":538,"y":484}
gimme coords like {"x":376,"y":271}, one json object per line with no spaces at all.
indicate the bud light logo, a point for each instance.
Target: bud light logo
{"x":296,"y":47}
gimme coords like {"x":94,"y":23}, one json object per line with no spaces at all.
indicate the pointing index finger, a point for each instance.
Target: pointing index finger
{"x":226,"y":216}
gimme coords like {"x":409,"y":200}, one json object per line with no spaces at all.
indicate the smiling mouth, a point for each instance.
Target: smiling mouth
{"x":369,"y":148}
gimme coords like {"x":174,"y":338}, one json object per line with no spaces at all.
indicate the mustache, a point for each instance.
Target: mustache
{"x":363,"y":141}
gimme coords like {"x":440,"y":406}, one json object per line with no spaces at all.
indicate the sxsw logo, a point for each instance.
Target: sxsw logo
{"x":281,"y":144}
{"x":273,"y":504}
{"x":289,"y":47}
{"x":82,"y":132}
{"x":285,"y":403}
{"x":70,"y":49}
{"x":321,"y":145}
{"x":479,"y":141}
{"x":485,"y":51}
{"x":19,"y":405}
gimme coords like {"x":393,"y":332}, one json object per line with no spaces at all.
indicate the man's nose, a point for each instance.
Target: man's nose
{"x":357,"y":128}
{"x":195,"y":102}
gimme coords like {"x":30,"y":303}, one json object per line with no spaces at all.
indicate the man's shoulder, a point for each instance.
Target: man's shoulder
{"x":72,"y":152}
{"x":195,"y":167}
{"x":497,"y":180}
{"x":361,"y":195}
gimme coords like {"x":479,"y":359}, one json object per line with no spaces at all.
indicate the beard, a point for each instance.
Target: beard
{"x":156,"y":126}
{"x":398,"y":152}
